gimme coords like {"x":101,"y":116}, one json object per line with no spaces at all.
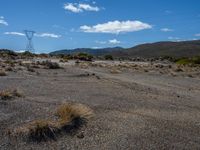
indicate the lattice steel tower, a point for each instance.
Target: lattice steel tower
{"x":29,"y":34}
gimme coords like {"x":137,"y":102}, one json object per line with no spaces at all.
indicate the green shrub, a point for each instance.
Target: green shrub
{"x":84,"y":56}
{"x":184,"y":61}
{"x":189,"y":61}
{"x":108,"y":57}
{"x":196,"y":60}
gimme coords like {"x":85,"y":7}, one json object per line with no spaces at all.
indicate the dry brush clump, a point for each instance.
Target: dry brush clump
{"x":71,"y":117}
{"x":50,"y":65}
{"x":115,"y":71}
{"x":9,"y":94}
{"x":42,"y":130}
{"x":3,"y":73}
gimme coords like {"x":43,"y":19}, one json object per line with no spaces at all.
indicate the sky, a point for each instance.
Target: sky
{"x":69,"y":24}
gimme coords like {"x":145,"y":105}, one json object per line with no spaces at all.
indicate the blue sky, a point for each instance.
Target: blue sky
{"x":61,"y":24}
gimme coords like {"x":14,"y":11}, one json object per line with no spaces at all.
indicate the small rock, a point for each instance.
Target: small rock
{"x":80,"y":135}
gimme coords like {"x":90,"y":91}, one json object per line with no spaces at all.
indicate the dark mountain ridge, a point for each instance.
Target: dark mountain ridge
{"x":149,"y":50}
{"x":95,"y":52}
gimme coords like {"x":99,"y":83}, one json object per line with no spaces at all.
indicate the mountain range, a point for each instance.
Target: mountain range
{"x":158,"y":49}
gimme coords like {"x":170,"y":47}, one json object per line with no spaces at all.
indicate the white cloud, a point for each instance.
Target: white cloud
{"x":20,"y":51}
{"x":116,"y":27}
{"x":2,"y":21}
{"x":101,"y":42}
{"x":87,"y":7}
{"x":77,"y":8}
{"x":114,"y":41}
{"x":15,"y":33}
{"x":176,"y":39}
{"x":198,"y":34}
{"x":72,"y":7}
{"x":50,"y":35}
{"x":96,"y":47}
{"x":194,"y":39}
{"x":166,"y":30}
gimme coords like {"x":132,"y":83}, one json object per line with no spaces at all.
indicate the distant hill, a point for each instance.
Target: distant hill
{"x":95,"y":52}
{"x":158,"y":49}
{"x":174,"y":49}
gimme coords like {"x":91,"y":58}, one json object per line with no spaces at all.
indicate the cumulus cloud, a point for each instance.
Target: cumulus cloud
{"x":50,"y":35}
{"x":77,"y":8}
{"x":2,"y":21}
{"x":114,"y":41}
{"x":116,"y":27}
{"x":72,"y":7}
{"x":15,"y":33}
{"x":166,"y":30}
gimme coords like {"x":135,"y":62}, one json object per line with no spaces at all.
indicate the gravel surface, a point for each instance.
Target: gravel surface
{"x":133,"y":109}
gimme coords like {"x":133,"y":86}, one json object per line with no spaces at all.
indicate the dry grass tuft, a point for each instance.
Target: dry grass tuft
{"x":51,"y":65}
{"x":2,"y":73}
{"x":73,"y":116}
{"x":30,"y":69}
{"x":9,"y":94}
{"x":6,"y":95}
{"x":42,"y":130}
{"x":115,"y":71}
{"x":70,"y":118}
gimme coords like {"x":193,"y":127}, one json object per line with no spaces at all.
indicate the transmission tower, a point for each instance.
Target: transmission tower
{"x":29,"y":34}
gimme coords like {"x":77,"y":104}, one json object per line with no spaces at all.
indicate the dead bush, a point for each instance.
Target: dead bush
{"x":73,"y":116}
{"x":115,"y":71}
{"x":42,"y":130}
{"x":30,"y":69}
{"x":2,"y":73}
{"x":9,"y":94}
{"x":70,"y":118}
{"x":51,"y":65}
{"x":9,"y":69}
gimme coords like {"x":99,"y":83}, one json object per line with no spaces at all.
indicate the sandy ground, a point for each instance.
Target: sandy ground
{"x":134,"y":109}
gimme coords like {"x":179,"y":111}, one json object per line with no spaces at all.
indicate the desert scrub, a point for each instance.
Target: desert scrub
{"x":50,"y":65}
{"x":189,"y":61}
{"x":108,"y":57}
{"x":63,"y":60}
{"x":70,"y":117}
{"x":9,"y":69}
{"x":9,"y":94}
{"x":42,"y":130}
{"x":2,"y":73}
{"x":74,"y":115}
{"x":84,"y":57}
{"x":115,"y":71}
{"x":30,"y":69}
